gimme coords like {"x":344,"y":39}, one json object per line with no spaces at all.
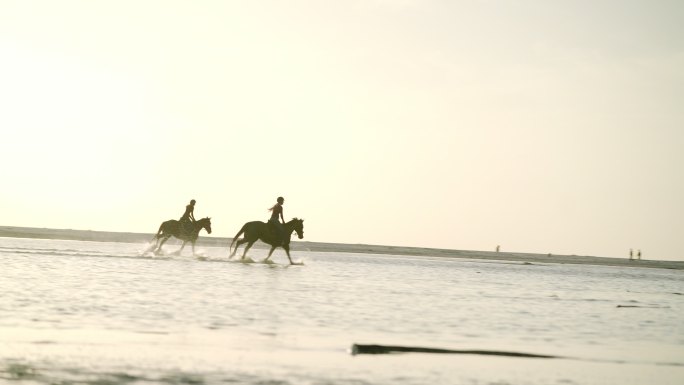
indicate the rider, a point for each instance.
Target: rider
{"x":276,"y":216}
{"x":189,"y":216}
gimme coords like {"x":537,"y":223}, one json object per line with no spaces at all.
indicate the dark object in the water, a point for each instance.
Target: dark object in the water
{"x":645,"y":307}
{"x":385,"y":349}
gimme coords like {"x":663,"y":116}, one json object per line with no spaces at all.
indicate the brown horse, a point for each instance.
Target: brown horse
{"x":261,"y":231}
{"x":187,"y":232}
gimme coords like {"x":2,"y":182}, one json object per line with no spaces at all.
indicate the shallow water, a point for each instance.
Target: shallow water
{"x":102,"y":313}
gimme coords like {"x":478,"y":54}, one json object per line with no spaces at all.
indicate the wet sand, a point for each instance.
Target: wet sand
{"x":105,"y":236}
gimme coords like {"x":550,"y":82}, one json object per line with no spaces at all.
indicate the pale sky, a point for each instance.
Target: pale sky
{"x":541,"y":126}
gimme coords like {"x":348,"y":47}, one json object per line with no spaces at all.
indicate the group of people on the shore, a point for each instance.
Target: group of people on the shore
{"x":632,"y":256}
{"x":276,"y":221}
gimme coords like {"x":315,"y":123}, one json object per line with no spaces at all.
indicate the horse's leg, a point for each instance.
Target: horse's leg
{"x":152,"y":246}
{"x":181,"y":249}
{"x":166,"y":238}
{"x":156,"y":239}
{"x":239,"y":242}
{"x":249,"y":245}
{"x":161,"y":243}
{"x":287,"y":251}
{"x":270,"y":252}
{"x":157,"y":245}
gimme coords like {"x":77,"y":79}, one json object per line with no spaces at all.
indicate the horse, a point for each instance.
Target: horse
{"x":177,"y":229}
{"x":260,"y":231}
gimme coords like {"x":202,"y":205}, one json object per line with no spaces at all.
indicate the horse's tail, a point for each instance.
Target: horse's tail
{"x":156,"y":236}
{"x":242,"y":230}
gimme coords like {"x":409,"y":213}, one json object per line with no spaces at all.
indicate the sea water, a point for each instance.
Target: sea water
{"x":107,"y":313}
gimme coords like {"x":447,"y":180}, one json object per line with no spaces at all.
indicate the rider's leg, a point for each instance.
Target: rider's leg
{"x":279,"y":232}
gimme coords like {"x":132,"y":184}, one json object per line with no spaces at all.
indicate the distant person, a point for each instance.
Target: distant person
{"x":639,"y":254}
{"x":275,"y":220}
{"x":497,"y":248}
{"x":631,"y":254}
{"x":188,"y":217}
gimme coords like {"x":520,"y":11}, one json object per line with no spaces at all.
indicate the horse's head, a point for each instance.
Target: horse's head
{"x":299,"y":227}
{"x":206,"y":224}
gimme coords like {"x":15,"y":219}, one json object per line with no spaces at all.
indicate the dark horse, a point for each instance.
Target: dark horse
{"x":188,"y":232}
{"x":259,"y":230}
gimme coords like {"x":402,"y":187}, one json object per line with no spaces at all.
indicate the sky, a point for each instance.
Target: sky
{"x":540,"y":126}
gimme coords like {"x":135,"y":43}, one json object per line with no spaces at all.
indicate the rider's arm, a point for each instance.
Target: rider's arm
{"x":281,"y":215}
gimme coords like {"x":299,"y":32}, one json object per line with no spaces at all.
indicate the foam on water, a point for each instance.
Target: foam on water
{"x":94,"y":312}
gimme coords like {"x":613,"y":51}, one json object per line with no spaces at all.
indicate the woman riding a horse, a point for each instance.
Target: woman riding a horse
{"x":276,"y":217}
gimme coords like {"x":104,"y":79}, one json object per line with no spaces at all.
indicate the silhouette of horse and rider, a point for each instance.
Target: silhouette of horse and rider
{"x":273,"y":233}
{"x":186,"y":229}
